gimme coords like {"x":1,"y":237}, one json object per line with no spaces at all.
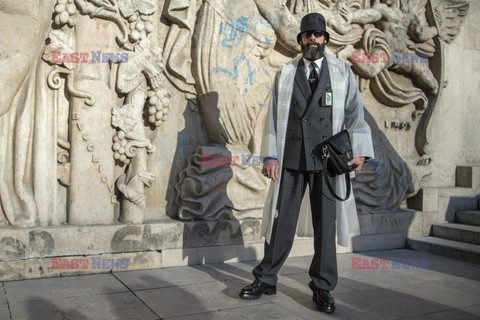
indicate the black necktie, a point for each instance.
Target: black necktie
{"x":313,"y":77}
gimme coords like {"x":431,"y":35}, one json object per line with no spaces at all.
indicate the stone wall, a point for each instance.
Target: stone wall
{"x":150,"y":152}
{"x":454,"y":123}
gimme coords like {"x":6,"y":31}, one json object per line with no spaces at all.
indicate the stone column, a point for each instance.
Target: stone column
{"x":92,"y":196}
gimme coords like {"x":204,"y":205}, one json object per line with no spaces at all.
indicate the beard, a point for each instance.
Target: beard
{"x":313,"y":53}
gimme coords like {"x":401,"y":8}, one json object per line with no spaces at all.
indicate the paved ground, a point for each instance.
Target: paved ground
{"x":437,"y":288}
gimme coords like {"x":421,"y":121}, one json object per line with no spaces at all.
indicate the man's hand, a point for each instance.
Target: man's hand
{"x":358,"y":161}
{"x":270,"y":169}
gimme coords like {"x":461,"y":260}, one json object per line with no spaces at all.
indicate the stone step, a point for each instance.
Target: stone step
{"x":457,"y":232}
{"x":448,"y":248}
{"x":471,"y":217}
{"x":456,"y":192}
{"x":451,"y":200}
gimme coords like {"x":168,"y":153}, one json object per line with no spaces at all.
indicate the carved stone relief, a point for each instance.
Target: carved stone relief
{"x":82,"y":114}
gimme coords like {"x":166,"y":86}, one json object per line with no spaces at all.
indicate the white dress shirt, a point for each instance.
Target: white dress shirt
{"x":318,"y":62}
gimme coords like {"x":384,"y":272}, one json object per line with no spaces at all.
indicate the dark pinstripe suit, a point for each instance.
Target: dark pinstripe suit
{"x":309,"y":123}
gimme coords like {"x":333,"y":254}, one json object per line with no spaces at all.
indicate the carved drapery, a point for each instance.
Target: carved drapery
{"x":232,"y":87}
{"x":27,"y":150}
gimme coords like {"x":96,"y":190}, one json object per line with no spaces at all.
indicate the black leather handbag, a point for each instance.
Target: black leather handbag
{"x":336,"y":152}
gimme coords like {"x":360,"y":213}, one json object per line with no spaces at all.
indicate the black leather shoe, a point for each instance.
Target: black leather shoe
{"x":256,"y":289}
{"x":324,"y":301}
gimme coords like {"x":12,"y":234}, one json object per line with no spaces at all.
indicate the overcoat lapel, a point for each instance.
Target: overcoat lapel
{"x":301,"y":80}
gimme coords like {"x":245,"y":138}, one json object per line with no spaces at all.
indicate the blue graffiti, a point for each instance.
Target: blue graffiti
{"x":273,"y":18}
{"x":232,"y":34}
{"x":376,"y":165}
{"x":234,"y":72}
{"x":182,"y":143}
{"x":267,"y":85}
{"x":230,"y":37}
{"x":400,"y":184}
{"x":163,"y":159}
{"x":257,"y":37}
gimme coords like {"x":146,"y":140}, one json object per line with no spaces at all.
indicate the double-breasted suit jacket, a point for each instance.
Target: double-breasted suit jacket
{"x":309,"y":121}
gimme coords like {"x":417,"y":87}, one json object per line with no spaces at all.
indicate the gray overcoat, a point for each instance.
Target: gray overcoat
{"x":347,"y":112}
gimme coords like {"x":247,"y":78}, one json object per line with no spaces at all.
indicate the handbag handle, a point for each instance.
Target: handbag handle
{"x":329,"y":185}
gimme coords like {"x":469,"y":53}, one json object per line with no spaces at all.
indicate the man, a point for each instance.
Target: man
{"x":314,"y":96}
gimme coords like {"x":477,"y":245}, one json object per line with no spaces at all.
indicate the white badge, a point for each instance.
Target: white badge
{"x":328,"y":98}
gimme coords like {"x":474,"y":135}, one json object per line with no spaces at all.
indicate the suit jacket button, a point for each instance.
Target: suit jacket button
{"x":324,"y":137}
{"x":322,"y":119}
{"x":305,"y":120}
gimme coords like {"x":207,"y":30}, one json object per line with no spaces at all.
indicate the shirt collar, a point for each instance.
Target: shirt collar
{"x":318,"y":62}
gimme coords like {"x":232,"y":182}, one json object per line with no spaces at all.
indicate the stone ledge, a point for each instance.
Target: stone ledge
{"x":379,"y":242}
{"x":390,"y":222}
{"x":118,"y":262}
{"x":28,"y":253}
{"x":119,"y":238}
{"x":236,"y":253}
{"x":78,"y":265}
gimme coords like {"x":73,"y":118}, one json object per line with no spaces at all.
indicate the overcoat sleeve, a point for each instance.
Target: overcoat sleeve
{"x":355,"y":123}
{"x":269,"y":141}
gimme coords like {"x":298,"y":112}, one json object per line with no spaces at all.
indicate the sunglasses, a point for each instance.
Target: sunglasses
{"x":317,"y":34}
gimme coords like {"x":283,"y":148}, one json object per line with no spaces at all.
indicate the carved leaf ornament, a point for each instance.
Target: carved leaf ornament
{"x":129,"y":7}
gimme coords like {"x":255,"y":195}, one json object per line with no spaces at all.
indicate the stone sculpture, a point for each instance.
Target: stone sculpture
{"x":23,"y":101}
{"x":85,"y":143}
{"x":232,"y":82}
{"x":76,"y":136}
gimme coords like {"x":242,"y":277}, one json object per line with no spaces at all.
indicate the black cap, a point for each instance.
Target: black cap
{"x":313,"y":22}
